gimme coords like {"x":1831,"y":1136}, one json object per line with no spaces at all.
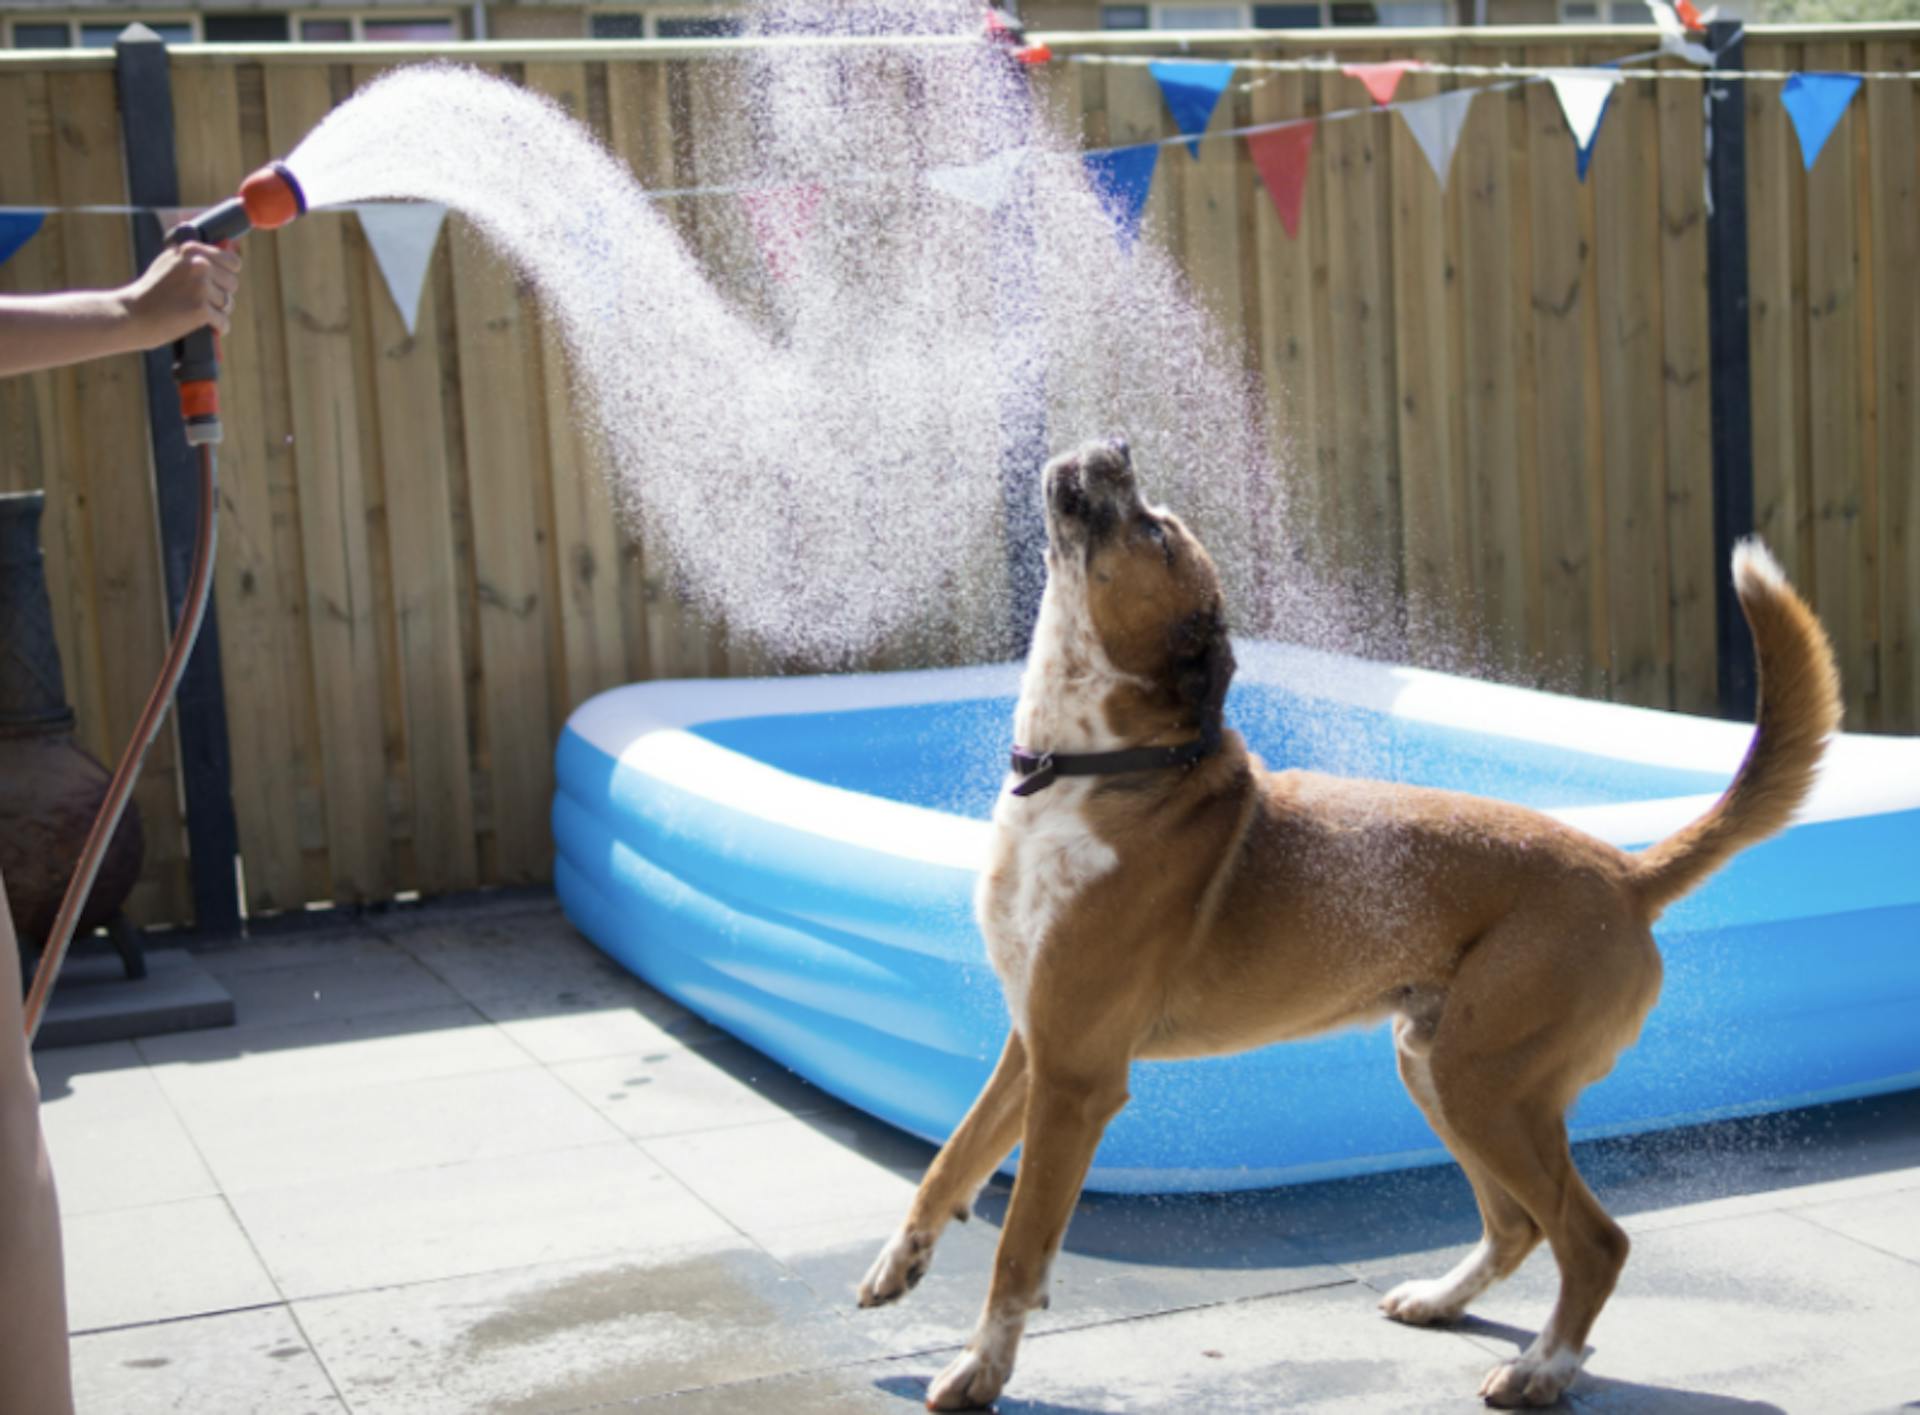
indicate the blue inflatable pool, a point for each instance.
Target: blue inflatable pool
{"x":794,"y":860}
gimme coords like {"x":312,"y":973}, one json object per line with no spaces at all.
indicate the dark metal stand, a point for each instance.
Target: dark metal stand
{"x":146,"y":117}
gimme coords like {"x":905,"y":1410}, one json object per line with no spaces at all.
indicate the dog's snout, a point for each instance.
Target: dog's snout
{"x":1120,"y":449}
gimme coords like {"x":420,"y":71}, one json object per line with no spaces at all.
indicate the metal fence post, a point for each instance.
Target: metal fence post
{"x":146,"y":122}
{"x":1732,"y":360}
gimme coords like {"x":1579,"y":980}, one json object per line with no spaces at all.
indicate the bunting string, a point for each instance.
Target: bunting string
{"x":1515,"y":71}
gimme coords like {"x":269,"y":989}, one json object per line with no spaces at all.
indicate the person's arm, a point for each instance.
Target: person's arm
{"x":185,"y":288}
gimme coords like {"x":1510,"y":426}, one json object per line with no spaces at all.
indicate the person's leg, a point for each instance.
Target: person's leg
{"x":34,"y":1374}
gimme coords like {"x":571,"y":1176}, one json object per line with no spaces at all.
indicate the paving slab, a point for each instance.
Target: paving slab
{"x":95,"y":1001}
{"x":239,"y":1363}
{"x":358,"y":985}
{"x":1763,"y":1307}
{"x":572,"y":1336}
{"x":372,"y":1231}
{"x":675,"y":1092}
{"x":100,"y":1104}
{"x":796,"y":1172}
{"x":264,"y":1141}
{"x":156,"y":1263}
{"x":1322,"y":1350}
{"x":291,"y":1062}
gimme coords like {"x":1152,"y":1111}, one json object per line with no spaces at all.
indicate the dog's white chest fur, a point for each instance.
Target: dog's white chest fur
{"x":1045,"y":854}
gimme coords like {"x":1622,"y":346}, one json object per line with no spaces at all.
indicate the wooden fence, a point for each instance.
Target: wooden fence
{"x":1496,"y":395}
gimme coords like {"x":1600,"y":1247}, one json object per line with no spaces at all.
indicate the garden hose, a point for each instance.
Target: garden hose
{"x":269,"y":198}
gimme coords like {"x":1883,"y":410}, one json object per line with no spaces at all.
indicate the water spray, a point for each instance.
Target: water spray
{"x":268,"y":199}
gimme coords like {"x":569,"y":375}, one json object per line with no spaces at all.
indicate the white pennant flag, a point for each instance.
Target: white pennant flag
{"x":1583,"y":95}
{"x":1436,"y":124}
{"x":981,"y":184}
{"x":402,"y":235}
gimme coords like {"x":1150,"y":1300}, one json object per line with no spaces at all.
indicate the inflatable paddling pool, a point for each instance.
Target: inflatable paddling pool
{"x":793,"y":859}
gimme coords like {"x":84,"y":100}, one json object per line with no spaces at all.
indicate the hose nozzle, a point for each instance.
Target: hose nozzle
{"x":268,"y":199}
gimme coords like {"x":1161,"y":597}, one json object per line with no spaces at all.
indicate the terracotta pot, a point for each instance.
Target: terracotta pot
{"x":50,"y":787}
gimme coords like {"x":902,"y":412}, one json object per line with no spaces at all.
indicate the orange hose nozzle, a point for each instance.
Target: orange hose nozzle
{"x":272,"y":197}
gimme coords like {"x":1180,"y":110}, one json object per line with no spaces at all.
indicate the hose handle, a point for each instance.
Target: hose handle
{"x":196,"y":357}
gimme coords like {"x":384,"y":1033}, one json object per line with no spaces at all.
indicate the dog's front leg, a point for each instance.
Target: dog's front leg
{"x":964,"y":1163}
{"x":1066,"y":1115}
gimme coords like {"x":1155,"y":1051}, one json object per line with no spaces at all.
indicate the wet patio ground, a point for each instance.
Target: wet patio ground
{"x":453,"y":1160}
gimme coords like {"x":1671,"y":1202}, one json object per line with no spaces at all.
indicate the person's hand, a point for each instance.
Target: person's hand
{"x":186,"y":287}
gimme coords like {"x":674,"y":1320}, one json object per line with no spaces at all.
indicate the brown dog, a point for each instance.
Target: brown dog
{"x":1180,"y":900}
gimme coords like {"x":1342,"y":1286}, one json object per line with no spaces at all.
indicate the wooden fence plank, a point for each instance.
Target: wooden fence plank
{"x":1364,"y":450}
{"x":1688,"y":422}
{"x":262,"y":634}
{"x":328,"y":459}
{"x":1845,"y":555}
{"x":1491,"y":359}
{"x":111,"y":461}
{"x":505,"y":450}
{"x":1572,"y":563}
{"x":419,"y":524}
{"x":1432,"y":549}
{"x":1895,"y":189}
{"x":587,"y":542}
{"x":1631,"y":335}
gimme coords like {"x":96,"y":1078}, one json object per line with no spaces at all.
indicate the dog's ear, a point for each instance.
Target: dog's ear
{"x":1202,"y":664}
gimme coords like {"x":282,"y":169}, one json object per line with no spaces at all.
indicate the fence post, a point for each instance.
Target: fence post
{"x":146,"y":124}
{"x":1731,"y":357}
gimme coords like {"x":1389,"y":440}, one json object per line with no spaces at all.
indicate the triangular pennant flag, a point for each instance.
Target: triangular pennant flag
{"x":401,"y":235}
{"x":1436,"y":123}
{"x":1816,"y":103}
{"x":782,"y":219}
{"x":1192,"y":89}
{"x":1583,"y":95}
{"x":982,"y":184}
{"x":1122,"y":177}
{"x":1280,"y":155}
{"x":1382,"y":80}
{"x":16,"y":229}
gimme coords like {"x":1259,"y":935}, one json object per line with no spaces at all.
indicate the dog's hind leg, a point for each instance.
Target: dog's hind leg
{"x":965,"y":1162}
{"x":1066,"y":1115}
{"x":1508,"y":1231}
{"x":1506,"y":1110}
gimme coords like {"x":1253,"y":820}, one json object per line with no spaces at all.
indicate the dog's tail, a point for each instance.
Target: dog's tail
{"x":1799,"y":709}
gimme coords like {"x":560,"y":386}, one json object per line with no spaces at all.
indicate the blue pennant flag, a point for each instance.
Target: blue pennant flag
{"x":16,"y":229}
{"x":1122,"y":177}
{"x":1192,"y":88}
{"x":1816,"y":103}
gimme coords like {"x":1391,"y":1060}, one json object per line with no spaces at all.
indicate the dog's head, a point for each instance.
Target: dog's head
{"x":1152,"y":595}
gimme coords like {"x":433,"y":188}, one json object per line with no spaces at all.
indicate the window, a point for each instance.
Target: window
{"x":430,"y":30}
{"x":683,"y":28}
{"x":27,"y":36}
{"x":326,"y":31}
{"x":1295,"y":16}
{"x":1409,"y":14}
{"x":102,"y":36}
{"x":255,"y":28}
{"x":1200,"y":17}
{"x":627,"y":26}
{"x":1125,"y":17}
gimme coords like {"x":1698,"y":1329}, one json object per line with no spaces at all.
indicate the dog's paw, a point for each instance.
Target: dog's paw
{"x":1424,"y":1302}
{"x":1529,"y":1380}
{"x":973,"y":1382}
{"x":901,"y":1264}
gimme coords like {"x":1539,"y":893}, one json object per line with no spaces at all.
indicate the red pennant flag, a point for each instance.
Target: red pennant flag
{"x":782,"y":218}
{"x":1281,"y":157}
{"x":1382,"y":79}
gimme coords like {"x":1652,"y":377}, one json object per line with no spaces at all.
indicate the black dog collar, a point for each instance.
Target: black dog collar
{"x":1039,"y":770}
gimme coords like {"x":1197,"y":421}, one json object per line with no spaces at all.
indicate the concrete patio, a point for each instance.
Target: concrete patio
{"x":452,"y":1160}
